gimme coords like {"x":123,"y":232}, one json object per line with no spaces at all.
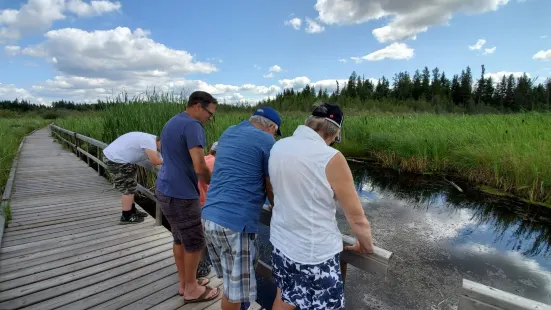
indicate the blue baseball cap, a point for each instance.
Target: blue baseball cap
{"x":270,"y":114}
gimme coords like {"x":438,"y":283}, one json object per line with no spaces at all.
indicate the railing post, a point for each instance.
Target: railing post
{"x":158,"y":214}
{"x":344,"y":267}
{"x":88,"y":151}
{"x":77,"y":145}
{"x":98,"y":156}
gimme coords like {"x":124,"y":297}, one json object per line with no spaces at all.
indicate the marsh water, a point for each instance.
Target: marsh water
{"x":440,"y":235}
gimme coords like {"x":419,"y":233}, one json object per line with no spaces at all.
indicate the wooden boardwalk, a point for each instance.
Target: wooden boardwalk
{"x":64,"y":247}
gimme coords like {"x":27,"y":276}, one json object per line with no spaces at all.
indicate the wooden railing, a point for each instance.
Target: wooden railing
{"x":473,"y":295}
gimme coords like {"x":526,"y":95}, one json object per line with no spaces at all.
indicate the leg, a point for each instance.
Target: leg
{"x":190,"y":228}
{"x":178,"y":251}
{"x":124,"y":181}
{"x":279,"y":304}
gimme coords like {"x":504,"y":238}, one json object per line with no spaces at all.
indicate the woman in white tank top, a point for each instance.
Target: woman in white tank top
{"x":307,"y":174}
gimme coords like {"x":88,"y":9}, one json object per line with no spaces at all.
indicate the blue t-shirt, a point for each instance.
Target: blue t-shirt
{"x":177,"y":177}
{"x":237,"y":188}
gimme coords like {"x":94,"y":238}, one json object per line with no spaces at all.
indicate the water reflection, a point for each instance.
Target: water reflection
{"x":512,"y":225}
{"x":440,"y":235}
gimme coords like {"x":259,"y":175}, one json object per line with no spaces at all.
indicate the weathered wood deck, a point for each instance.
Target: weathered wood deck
{"x":64,"y":247}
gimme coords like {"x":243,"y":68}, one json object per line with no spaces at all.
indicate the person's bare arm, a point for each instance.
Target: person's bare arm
{"x":153,"y":157}
{"x":340,"y":178}
{"x":269,"y":191}
{"x":199,"y":164}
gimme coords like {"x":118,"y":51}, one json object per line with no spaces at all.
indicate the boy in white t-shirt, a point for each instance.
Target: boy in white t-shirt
{"x":121,"y":157}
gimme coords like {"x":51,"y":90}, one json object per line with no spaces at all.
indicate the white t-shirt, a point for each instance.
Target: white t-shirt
{"x":130,"y":147}
{"x":303,"y":226}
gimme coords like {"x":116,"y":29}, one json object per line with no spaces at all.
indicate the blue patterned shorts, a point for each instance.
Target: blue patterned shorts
{"x":309,"y":286}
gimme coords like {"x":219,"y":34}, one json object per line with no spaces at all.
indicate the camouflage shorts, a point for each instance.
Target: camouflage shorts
{"x":123,"y":176}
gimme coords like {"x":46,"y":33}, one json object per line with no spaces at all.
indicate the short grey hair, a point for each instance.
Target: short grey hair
{"x":262,"y":121}
{"x":322,"y":125}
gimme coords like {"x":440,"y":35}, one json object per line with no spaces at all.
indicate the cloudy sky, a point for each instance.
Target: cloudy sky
{"x":247,"y":50}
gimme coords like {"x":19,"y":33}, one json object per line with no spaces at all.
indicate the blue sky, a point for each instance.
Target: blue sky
{"x":84,"y":50}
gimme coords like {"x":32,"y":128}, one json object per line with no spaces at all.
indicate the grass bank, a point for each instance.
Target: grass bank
{"x":509,"y":152}
{"x":12,"y":130}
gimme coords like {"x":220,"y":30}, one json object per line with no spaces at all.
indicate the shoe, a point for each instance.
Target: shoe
{"x":133,"y":219}
{"x":203,"y":270}
{"x":137,"y":212}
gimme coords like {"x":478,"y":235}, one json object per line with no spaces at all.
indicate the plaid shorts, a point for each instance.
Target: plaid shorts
{"x":305,"y":286}
{"x":123,"y":176}
{"x":234,"y":257}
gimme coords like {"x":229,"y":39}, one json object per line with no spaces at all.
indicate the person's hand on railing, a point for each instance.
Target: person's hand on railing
{"x":360,"y":248}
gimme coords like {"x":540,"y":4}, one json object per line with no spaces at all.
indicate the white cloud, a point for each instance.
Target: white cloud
{"x":296,"y":23}
{"x":393,"y":51}
{"x":497,"y":76}
{"x":117,"y":54}
{"x":37,"y":16}
{"x":342,"y":60}
{"x":12,"y":50}
{"x":269,"y":75}
{"x":11,"y":92}
{"x":275,"y":68}
{"x":542,"y":55}
{"x":81,"y":8}
{"x":543,"y":37}
{"x":256,"y":66}
{"x":313,"y":26}
{"x":489,"y":51}
{"x":478,"y":45}
{"x":407,"y":18}
{"x":90,"y":89}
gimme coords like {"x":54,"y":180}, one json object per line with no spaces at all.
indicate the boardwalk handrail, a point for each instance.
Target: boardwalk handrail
{"x":478,"y":296}
{"x":376,"y":263}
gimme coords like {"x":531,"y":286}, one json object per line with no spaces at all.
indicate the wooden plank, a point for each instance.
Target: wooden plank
{"x":12,"y":265}
{"x":65,"y":240}
{"x":85,"y":266}
{"x":101,"y":283}
{"x":28,"y":270}
{"x":151,"y":290}
{"x":479,"y":296}
{"x":85,"y":276}
{"x":8,"y":259}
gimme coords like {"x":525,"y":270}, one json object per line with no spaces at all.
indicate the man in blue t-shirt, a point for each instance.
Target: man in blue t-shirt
{"x":177,"y":191}
{"x":237,"y":192}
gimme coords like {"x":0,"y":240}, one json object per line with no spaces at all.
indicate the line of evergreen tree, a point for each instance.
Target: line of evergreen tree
{"x":426,"y":91}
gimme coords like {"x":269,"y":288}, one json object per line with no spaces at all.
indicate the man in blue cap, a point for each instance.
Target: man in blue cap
{"x":238,"y":189}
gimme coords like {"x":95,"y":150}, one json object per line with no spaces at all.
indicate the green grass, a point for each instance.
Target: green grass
{"x":509,"y":152}
{"x":12,"y":130}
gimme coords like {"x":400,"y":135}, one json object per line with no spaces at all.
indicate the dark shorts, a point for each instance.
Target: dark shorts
{"x":184,"y":217}
{"x":123,"y":176}
{"x":316,"y":286}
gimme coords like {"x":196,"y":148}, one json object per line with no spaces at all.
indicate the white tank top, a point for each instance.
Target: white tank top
{"x":303,"y":227}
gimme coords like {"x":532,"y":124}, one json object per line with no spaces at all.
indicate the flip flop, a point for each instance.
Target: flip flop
{"x":202,"y":298}
{"x":200,"y":281}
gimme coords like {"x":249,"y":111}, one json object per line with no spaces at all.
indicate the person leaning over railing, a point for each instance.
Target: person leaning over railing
{"x":308,"y":177}
{"x":121,"y":157}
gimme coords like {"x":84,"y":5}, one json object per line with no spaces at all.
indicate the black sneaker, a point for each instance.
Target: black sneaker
{"x":137,"y":212}
{"x":133,"y":219}
{"x":203,"y":269}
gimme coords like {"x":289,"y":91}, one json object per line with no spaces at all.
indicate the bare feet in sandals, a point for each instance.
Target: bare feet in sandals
{"x":200,"y":281}
{"x":201,"y":295}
